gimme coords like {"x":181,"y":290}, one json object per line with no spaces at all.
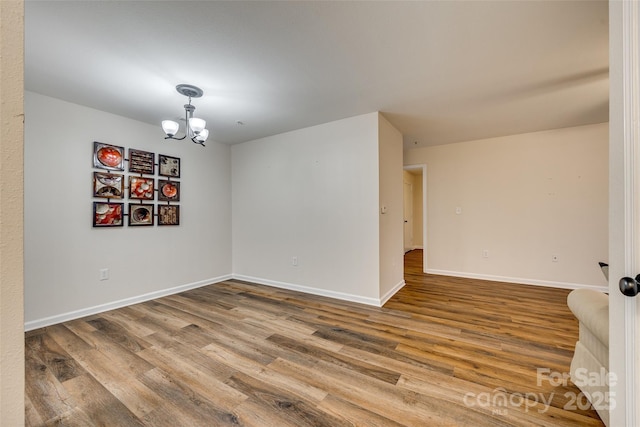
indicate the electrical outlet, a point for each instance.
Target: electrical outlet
{"x":294,"y":261}
{"x":103,"y":274}
{"x":485,"y":253}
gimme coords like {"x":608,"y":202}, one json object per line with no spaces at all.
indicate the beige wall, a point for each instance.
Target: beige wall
{"x":11,"y":210}
{"x":391,"y":225}
{"x":524,"y":199}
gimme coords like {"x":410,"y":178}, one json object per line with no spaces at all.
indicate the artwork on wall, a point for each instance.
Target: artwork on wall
{"x":140,"y":214}
{"x":141,"y":188}
{"x":168,"y":191}
{"x":108,"y":185}
{"x":168,"y":215}
{"x":168,"y":166}
{"x":107,"y":156}
{"x":106,"y":214}
{"x":141,"y":161}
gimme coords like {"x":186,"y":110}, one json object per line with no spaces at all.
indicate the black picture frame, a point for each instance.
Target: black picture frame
{"x":168,"y":191}
{"x":141,"y":214}
{"x":168,"y":215}
{"x":141,"y":187}
{"x":107,"y":214}
{"x":108,"y":185}
{"x":108,"y":156}
{"x":168,"y":166}
{"x":142,"y":162}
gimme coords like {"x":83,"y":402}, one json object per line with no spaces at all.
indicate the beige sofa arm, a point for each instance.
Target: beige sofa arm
{"x":591,"y":308}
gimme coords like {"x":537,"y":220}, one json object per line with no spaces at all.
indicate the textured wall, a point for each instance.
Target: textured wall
{"x":11,"y":210}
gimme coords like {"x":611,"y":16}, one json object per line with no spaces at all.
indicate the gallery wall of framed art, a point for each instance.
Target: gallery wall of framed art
{"x":117,"y":177}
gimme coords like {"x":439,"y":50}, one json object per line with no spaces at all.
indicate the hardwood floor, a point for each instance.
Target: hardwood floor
{"x":442,"y":352}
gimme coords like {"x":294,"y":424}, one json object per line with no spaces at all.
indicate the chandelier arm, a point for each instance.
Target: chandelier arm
{"x":177,"y":139}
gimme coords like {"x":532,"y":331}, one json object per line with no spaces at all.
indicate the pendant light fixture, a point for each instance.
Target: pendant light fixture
{"x":195,"y":127}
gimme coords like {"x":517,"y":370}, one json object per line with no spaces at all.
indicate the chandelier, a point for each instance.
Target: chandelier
{"x":195,"y":128}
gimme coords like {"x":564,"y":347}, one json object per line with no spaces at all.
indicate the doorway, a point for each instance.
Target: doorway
{"x":415,"y":210}
{"x":408,"y":212}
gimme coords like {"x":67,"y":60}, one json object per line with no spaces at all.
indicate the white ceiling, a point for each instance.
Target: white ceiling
{"x":441,"y":72}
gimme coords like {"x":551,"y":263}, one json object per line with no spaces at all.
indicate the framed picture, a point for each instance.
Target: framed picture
{"x":168,"y":215}
{"x":141,"y":161}
{"x":107,"y":156}
{"x":107,"y":214}
{"x":141,"y":188}
{"x":108,"y":185}
{"x":168,"y":191}
{"x":140,"y":214}
{"x":168,"y":166}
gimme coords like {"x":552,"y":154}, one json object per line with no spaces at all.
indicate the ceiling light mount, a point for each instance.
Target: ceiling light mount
{"x":195,"y":127}
{"x":189,"y":90}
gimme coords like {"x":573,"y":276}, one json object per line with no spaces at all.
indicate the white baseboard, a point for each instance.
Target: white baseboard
{"x":546,"y":283}
{"x":64,"y":317}
{"x":48,"y":321}
{"x":309,"y":290}
{"x":391,"y":292}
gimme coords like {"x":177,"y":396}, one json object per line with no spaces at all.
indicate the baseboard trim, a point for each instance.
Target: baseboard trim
{"x":386,"y":297}
{"x":518,"y":280}
{"x":64,"y":317}
{"x":310,"y":290}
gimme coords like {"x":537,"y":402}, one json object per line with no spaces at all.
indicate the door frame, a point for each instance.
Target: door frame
{"x":624,"y":209}
{"x":425,"y":245}
{"x":407,"y":216}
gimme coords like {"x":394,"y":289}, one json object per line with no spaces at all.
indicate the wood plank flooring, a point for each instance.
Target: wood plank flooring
{"x":442,"y":352}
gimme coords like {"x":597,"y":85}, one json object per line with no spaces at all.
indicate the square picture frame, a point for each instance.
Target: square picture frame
{"x":108,"y":156}
{"x":168,"y":215}
{"x":107,"y":214}
{"x":142,"y":188}
{"x":168,"y":166}
{"x":108,"y":185}
{"x":141,"y":214}
{"x":168,"y":191}
{"x":142,"y":162}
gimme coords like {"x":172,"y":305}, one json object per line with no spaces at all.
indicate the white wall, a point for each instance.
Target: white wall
{"x":311,"y":194}
{"x":524,"y":198}
{"x":391,"y":222}
{"x":63,"y":253}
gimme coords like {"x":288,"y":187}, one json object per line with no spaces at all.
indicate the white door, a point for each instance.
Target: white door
{"x":408,"y":216}
{"x":624,"y":210}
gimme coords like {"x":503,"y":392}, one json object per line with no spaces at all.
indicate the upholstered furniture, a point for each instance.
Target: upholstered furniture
{"x":591,"y":357}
